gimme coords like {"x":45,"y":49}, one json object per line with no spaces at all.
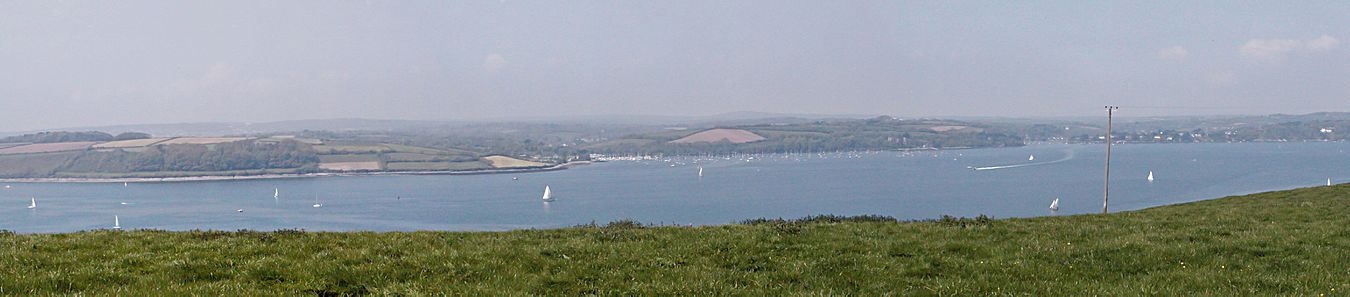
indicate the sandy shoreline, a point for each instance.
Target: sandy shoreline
{"x":280,"y":176}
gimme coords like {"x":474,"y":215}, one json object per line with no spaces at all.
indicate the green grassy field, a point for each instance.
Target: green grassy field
{"x":333,"y":149}
{"x":33,"y":164}
{"x":1280,"y":243}
{"x":171,"y":174}
{"x":432,"y":166}
{"x":395,"y":157}
{"x":349,"y":158}
{"x":414,"y":157}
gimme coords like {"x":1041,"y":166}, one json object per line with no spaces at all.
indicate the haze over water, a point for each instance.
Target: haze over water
{"x":920,"y":185}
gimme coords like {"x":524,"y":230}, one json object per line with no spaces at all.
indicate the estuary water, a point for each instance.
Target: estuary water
{"x":906,"y":185}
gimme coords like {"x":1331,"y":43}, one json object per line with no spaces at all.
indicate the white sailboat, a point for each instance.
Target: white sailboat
{"x":700,"y":171}
{"x":124,"y":184}
{"x":32,"y":203}
{"x":117,"y":224}
{"x":316,"y":201}
{"x":1054,"y":205}
{"x":548,"y":194}
{"x":276,"y":194}
{"x":1031,"y":158}
{"x":1150,"y":176}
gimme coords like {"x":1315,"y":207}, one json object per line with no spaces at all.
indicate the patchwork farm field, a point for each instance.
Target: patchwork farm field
{"x":718,"y":135}
{"x":414,"y":157}
{"x":349,"y":158}
{"x":395,"y":157}
{"x":509,"y":162}
{"x":435,"y":166}
{"x":310,"y":141}
{"x":783,"y":134}
{"x":131,"y":143}
{"x":420,"y":150}
{"x":204,"y":140}
{"x":350,"y":166}
{"x":352,"y":162}
{"x":333,"y":149}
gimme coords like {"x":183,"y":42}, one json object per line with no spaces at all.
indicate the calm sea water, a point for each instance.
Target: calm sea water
{"x":904,"y":185}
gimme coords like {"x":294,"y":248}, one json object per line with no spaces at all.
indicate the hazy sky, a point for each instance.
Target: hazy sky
{"x":76,"y":63}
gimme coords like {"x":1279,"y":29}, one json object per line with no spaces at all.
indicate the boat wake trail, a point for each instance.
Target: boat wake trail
{"x":1068,"y":155}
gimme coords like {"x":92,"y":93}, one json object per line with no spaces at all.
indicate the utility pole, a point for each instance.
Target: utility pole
{"x":1106,"y":183}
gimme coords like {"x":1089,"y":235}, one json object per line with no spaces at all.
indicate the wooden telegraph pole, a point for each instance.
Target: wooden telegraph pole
{"x":1106,"y":183}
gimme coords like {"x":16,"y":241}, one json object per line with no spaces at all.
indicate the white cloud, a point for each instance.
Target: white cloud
{"x":1323,"y":43}
{"x":1173,"y":53}
{"x":1266,"y":48}
{"x":494,"y":63}
{"x":1277,"y":48}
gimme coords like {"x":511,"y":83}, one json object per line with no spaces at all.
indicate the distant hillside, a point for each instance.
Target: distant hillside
{"x":734,"y":136}
{"x":880,"y":133}
{"x":1326,"y":126}
{"x":242,"y":128}
{"x":166,"y":157}
{"x":51,"y":137}
{"x":359,"y":124}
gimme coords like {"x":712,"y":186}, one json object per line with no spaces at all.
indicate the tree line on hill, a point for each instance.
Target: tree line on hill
{"x":64,"y":136}
{"x":541,"y":146}
{"x":882,"y":133}
{"x":1195,"y":131}
{"x":241,"y":155}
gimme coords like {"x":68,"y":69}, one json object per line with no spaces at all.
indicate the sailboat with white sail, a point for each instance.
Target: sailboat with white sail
{"x":548,"y":194}
{"x":117,"y":223}
{"x":700,"y":171}
{"x":1054,"y":205}
{"x":1150,"y":176}
{"x":276,"y":194}
{"x":1031,"y":158}
{"x":32,"y":203}
{"x":316,"y":201}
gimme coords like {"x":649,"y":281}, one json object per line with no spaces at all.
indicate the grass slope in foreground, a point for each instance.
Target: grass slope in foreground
{"x":1288,"y":242}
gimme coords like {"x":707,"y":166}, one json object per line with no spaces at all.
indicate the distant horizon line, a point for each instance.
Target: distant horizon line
{"x":630,"y":118}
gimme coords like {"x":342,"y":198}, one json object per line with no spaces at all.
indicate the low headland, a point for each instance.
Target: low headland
{"x":93,"y":156}
{"x":101,"y":157}
{"x":201,"y":178}
{"x":1277,"y":243}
